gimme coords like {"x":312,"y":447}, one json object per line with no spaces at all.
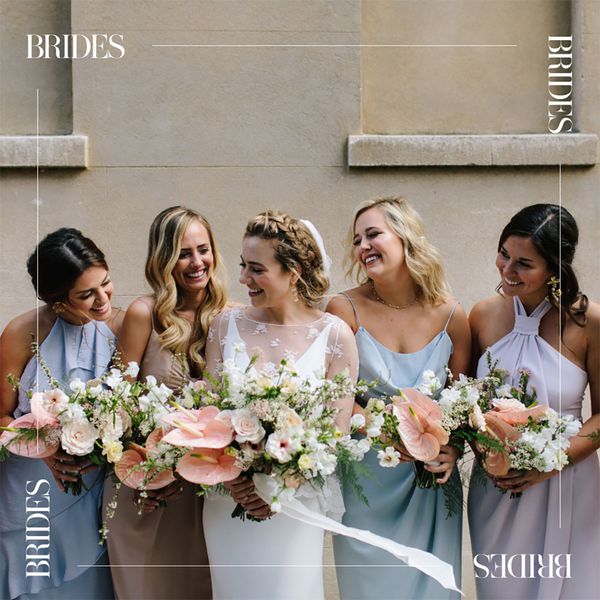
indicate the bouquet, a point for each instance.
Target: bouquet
{"x":269,"y":421}
{"x":86,"y":420}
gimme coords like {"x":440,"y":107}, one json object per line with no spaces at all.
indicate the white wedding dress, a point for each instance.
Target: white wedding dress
{"x":280,"y":558}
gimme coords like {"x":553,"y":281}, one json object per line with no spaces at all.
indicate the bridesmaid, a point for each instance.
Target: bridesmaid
{"x":543,"y":323}
{"x":405,"y":323}
{"x":166,"y":334}
{"x":75,"y":331}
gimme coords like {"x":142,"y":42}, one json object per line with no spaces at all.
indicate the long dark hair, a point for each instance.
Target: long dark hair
{"x":554,"y":234}
{"x":58,"y":260}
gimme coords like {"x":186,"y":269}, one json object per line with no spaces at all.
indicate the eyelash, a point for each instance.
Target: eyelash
{"x":252,"y":269}
{"x":203,"y":251}
{"x":369,"y":236}
{"x":505,"y":255}
{"x":103,"y":284}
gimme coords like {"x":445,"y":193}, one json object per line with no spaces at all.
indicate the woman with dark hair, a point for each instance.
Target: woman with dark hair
{"x":75,"y":333}
{"x":543,"y":323}
{"x":166,"y":333}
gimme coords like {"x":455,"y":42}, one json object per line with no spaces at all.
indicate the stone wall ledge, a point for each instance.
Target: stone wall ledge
{"x":535,"y":149}
{"x":55,"y":151}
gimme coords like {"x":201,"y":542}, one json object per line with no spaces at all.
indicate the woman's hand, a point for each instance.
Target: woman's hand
{"x":156,"y":498}
{"x":242,"y":490}
{"x":405,"y":457}
{"x":66,"y":468}
{"x":447,"y":458}
{"x":518,"y":480}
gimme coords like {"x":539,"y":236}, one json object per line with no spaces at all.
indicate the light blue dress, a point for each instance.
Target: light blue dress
{"x":69,"y":351}
{"x":397,"y":509}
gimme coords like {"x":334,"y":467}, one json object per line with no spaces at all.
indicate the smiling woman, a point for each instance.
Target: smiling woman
{"x":166,"y":334}
{"x":75,"y":332}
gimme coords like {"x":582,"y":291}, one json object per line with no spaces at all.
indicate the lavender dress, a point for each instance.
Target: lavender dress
{"x":558,"y":516}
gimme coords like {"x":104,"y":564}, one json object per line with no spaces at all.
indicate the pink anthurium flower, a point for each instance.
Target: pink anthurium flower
{"x":129,"y":472}
{"x":197,"y":428}
{"x":498,"y":463}
{"x":208,"y":466}
{"x":39,"y":447}
{"x":419,"y":424}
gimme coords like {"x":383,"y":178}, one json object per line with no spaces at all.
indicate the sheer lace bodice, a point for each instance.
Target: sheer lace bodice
{"x":321,"y":348}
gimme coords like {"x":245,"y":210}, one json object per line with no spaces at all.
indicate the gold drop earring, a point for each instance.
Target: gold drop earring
{"x":554,"y":290}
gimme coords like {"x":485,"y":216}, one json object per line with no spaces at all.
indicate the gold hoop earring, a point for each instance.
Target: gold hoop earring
{"x":554,"y":290}
{"x":59,"y":307}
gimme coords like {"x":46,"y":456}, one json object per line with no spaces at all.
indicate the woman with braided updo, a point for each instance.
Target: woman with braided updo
{"x":282,"y":264}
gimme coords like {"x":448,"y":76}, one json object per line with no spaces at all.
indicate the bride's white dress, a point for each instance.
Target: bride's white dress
{"x":279,"y":558}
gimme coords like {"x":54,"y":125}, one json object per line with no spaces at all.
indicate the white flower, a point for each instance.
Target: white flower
{"x":508,"y":404}
{"x":247,"y":426}
{"x":306,"y":462}
{"x":114,"y":379}
{"x":132,"y":369}
{"x":357,"y":421}
{"x":95,"y":390}
{"x":388,"y":457}
{"x":476,"y":419}
{"x":429,"y":383}
{"x":113,"y":450}
{"x":472,"y":395}
{"x":275,"y":505}
{"x":77,"y":386}
{"x":72,"y":412}
{"x":448,"y":397}
{"x":113,"y":428}
{"x":374,"y":424}
{"x":239,"y":348}
{"x":78,"y":437}
{"x":151,"y":380}
{"x":504,"y":391}
{"x":279,"y":447}
{"x":288,"y":417}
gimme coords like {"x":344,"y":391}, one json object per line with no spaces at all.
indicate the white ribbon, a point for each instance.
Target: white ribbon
{"x":320,"y":243}
{"x":413,"y":557}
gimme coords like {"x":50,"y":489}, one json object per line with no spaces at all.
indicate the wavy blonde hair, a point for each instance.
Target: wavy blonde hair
{"x":422,"y":257}
{"x":164,"y":245}
{"x":296,"y":250}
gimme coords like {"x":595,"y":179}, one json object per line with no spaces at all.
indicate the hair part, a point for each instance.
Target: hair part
{"x":421,"y":256}
{"x":59,"y":260}
{"x":296,"y":250}
{"x":554,"y":234}
{"x":164,"y":246}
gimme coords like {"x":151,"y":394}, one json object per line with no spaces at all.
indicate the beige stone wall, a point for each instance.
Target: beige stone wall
{"x":232,"y":131}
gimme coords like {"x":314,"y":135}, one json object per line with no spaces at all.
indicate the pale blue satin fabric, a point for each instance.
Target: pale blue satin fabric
{"x":69,"y":351}
{"x":397,"y":509}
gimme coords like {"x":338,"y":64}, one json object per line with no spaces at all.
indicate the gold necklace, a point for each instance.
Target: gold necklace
{"x":380,"y":299}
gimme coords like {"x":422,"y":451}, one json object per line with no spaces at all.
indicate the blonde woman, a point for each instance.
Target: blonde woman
{"x":405,"y":323}
{"x":166,"y":334}
{"x":282,"y":267}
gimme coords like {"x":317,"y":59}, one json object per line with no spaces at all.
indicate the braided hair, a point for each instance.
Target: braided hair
{"x":296,"y":250}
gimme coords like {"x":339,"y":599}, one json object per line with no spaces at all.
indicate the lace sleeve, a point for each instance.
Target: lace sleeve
{"x":214,"y":349}
{"x":343,"y":356}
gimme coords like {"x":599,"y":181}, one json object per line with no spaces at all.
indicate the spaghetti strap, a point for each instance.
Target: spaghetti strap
{"x":353,"y":307}
{"x":450,"y":316}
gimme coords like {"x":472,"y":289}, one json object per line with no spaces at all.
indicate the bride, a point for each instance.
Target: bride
{"x":282,"y":264}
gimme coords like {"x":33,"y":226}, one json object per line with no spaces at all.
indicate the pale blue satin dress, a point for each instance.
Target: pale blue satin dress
{"x":69,"y":351}
{"x":558,"y":516}
{"x":397,"y":509}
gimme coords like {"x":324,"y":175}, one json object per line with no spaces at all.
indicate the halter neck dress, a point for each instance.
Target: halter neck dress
{"x":170,"y":535}
{"x":397,"y":509}
{"x":558,"y":516}
{"x":69,"y":351}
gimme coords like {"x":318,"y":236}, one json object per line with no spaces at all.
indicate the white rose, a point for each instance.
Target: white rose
{"x":113,"y":450}
{"x":247,"y":426}
{"x":508,"y":404}
{"x":78,"y":437}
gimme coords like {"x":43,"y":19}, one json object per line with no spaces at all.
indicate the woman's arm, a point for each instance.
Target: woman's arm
{"x":15,"y":353}
{"x":135,"y":331}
